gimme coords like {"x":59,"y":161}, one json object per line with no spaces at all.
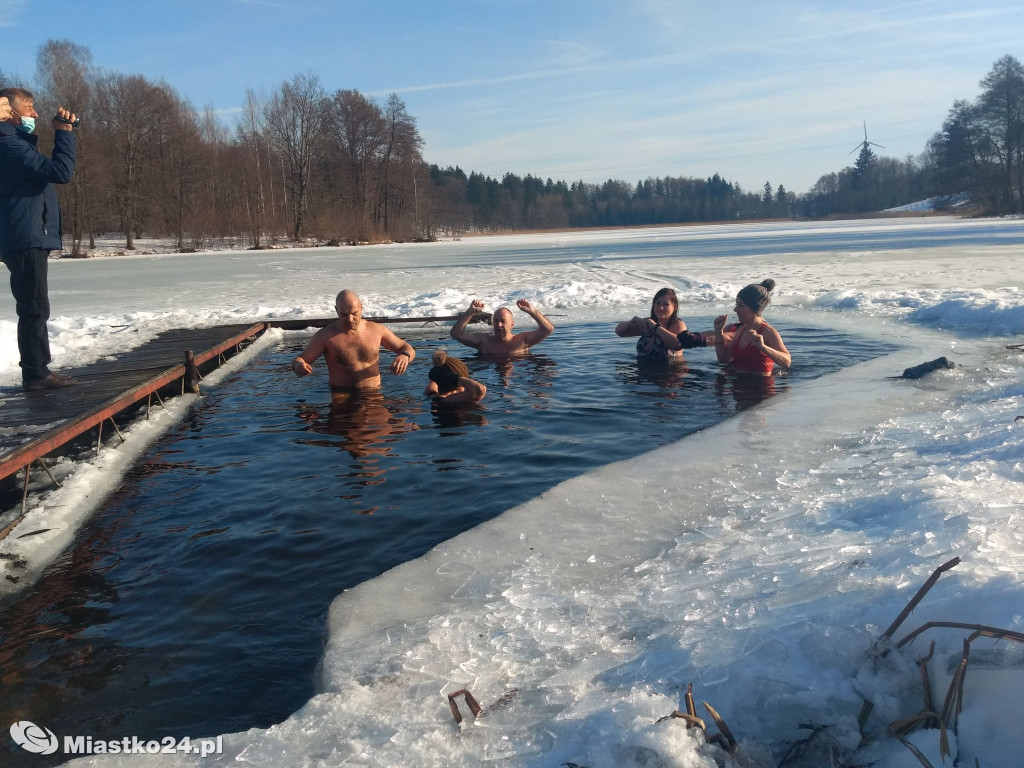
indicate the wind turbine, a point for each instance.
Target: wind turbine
{"x":863,"y":146}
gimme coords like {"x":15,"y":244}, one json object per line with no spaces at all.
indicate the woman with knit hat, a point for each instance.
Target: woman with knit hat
{"x":450,"y":382}
{"x":751,"y":346}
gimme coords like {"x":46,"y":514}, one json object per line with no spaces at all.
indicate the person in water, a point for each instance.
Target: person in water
{"x":450,"y":383}
{"x":502,"y":342}
{"x":351,"y":347}
{"x":751,"y":346}
{"x":662,"y":334}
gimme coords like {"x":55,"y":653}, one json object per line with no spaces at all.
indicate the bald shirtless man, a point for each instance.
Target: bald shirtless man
{"x":351,"y":347}
{"x":502,"y":341}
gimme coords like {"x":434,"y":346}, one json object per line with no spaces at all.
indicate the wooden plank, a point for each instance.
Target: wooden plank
{"x":75,"y":425}
{"x":320,"y":322}
{"x":109,"y":386}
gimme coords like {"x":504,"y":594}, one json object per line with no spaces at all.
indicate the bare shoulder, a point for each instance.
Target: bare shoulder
{"x":373,"y":329}
{"x":323,"y":335}
{"x":525,"y":339}
{"x":472,"y":339}
{"x":328,"y":330}
{"x":771,"y":335}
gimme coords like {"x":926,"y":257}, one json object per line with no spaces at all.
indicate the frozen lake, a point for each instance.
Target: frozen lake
{"x":758,"y":559}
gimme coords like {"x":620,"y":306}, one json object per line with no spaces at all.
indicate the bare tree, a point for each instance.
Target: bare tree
{"x":249,"y":133}
{"x":64,"y":71}
{"x":129,"y":110}
{"x":359,"y":134}
{"x":1001,"y":108}
{"x":12,"y":80}
{"x":295,"y":123}
{"x":183,"y":165}
{"x":221,"y":177}
{"x":399,"y":155}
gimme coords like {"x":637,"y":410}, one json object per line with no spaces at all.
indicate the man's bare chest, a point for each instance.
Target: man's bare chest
{"x":492,"y":346}
{"x":351,"y":352}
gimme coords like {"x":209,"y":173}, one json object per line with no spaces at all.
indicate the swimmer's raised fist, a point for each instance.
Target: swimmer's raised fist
{"x":755,"y":338}
{"x":301,"y":367}
{"x":476,"y":306}
{"x":720,"y":323}
{"x":524,"y":305}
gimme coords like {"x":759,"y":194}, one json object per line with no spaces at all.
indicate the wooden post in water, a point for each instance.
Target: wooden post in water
{"x":191,"y":372}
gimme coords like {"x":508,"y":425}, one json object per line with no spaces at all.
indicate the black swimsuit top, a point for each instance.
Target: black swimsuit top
{"x":650,"y":346}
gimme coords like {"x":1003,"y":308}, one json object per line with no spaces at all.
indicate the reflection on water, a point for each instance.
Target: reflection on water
{"x":533,"y":373}
{"x":452,"y":416}
{"x":194,"y":601}
{"x":668,"y":377}
{"x":365,"y":422}
{"x":746,"y":391}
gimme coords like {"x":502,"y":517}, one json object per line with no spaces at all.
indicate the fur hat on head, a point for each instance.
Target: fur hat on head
{"x":447,"y":371}
{"x":757,"y":297}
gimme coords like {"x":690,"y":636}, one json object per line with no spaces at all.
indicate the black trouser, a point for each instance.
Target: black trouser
{"x":28,"y":284}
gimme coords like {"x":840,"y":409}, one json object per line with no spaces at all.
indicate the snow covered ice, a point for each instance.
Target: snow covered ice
{"x":759,"y":559}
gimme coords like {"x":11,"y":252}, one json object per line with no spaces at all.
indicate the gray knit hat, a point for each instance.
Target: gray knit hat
{"x":757,"y":297}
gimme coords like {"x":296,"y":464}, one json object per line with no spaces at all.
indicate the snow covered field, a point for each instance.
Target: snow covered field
{"x":759,"y":559}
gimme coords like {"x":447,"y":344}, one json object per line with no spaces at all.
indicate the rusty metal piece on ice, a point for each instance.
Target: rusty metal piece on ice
{"x":474,"y":707}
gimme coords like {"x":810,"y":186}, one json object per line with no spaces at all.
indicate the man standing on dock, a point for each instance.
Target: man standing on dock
{"x":502,"y":341}
{"x":30,"y":226}
{"x":351,"y":347}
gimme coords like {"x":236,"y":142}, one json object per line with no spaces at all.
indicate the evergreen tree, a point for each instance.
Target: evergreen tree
{"x":865,"y":162}
{"x":781,"y":201}
{"x":767,"y":199}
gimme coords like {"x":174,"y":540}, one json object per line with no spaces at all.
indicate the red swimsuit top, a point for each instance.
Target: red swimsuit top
{"x":749,"y":359}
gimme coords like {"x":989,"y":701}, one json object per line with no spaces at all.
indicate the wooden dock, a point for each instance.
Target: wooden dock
{"x":34,"y":424}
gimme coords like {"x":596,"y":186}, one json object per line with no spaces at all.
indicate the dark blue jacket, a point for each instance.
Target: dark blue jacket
{"x":29,"y":216}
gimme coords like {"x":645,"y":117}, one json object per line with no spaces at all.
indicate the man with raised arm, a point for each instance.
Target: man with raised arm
{"x":30,"y":225}
{"x":502,"y":341}
{"x":351,"y":347}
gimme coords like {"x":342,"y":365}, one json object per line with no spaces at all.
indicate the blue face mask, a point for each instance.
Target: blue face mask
{"x":28,"y":124}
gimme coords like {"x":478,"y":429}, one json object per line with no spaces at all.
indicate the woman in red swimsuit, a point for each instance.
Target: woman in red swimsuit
{"x":751,"y":346}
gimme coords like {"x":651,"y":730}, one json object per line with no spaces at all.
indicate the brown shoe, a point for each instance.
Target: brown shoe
{"x":51,"y":381}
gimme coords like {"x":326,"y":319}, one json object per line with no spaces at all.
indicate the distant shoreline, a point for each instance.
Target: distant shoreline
{"x":162,"y":246}
{"x":730,"y":222}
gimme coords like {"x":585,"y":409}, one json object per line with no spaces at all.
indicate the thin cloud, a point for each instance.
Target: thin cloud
{"x":705,"y":129}
{"x":925,"y":20}
{"x":470,"y":83}
{"x":538,"y":74}
{"x":10,"y":10}
{"x":934,"y":31}
{"x":569,"y":53}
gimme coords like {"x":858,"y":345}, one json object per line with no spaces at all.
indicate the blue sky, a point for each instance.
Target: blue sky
{"x":576,"y":89}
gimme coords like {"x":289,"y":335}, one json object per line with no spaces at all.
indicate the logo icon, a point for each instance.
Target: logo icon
{"x":34,"y":738}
